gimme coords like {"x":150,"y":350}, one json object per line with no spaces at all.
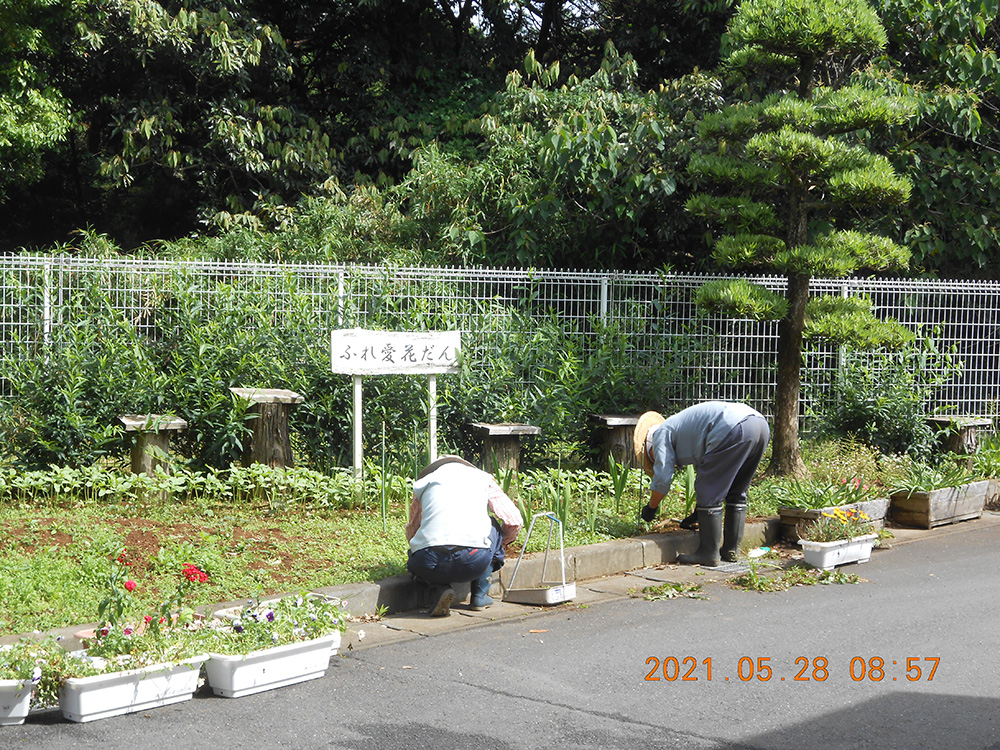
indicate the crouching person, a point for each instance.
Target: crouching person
{"x":452,"y":536}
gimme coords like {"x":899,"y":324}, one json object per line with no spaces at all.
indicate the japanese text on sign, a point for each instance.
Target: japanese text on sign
{"x":357,"y":351}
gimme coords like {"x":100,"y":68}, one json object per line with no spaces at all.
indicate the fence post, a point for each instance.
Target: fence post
{"x":47,"y":304}
{"x":604,"y":299}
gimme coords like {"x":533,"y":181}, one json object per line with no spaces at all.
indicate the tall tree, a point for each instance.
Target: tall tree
{"x":580,"y":173}
{"x":34,"y":114}
{"x":793,"y":184}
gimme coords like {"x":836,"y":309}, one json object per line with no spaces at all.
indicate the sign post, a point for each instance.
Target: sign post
{"x":359,"y":352}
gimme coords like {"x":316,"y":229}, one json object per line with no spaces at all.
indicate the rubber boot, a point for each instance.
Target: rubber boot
{"x":480,"y":598}
{"x":732,"y":531}
{"x":709,"y":538}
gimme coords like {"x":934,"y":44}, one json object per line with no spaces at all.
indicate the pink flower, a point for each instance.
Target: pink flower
{"x":130,"y":585}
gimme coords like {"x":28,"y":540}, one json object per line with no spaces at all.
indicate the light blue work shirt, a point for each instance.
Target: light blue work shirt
{"x":687,"y":436}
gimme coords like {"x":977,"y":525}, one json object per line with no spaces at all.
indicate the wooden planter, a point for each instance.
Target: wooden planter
{"x":791,"y":517}
{"x":938,"y":507}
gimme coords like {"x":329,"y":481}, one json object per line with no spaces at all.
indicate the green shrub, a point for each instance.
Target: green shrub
{"x":883,"y":399}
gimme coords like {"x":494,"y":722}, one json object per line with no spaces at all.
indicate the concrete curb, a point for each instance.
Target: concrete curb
{"x":401,"y":594}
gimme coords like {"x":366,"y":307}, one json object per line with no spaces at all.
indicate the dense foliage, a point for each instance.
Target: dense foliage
{"x":187,"y":347}
{"x":396,"y":130}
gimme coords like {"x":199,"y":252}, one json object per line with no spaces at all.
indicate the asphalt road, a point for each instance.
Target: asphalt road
{"x":576,"y":676}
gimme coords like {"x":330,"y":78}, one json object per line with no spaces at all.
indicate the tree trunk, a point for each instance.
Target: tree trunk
{"x":785,"y":457}
{"x":271,"y":444}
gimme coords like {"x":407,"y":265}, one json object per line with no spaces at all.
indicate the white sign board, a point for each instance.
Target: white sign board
{"x":357,"y":351}
{"x":360,"y":352}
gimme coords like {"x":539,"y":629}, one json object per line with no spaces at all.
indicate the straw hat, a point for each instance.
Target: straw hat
{"x":646,"y":422}
{"x":435,"y":465}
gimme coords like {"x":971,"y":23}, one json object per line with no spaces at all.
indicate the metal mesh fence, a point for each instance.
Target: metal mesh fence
{"x":652,"y":316}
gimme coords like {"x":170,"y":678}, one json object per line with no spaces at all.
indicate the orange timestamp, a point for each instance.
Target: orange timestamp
{"x":805,"y":669}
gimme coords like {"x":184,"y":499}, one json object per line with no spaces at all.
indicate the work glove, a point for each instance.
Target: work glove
{"x":647,"y":513}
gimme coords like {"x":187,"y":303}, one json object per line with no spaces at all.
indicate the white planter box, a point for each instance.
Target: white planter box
{"x":236,"y":676}
{"x":89,"y":698}
{"x":15,"y":698}
{"x":828,"y":555}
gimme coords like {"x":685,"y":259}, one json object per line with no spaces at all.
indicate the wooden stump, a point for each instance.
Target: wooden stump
{"x":152,"y":441}
{"x":501,"y":445}
{"x":270,"y":444}
{"x":959,"y":434}
{"x":616,"y":432}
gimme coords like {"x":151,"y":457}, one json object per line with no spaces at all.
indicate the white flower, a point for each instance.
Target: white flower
{"x":361,"y":635}
{"x":36,"y":674}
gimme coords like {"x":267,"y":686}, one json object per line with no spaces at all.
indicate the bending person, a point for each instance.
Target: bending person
{"x":725,"y":443}
{"x":452,"y":537}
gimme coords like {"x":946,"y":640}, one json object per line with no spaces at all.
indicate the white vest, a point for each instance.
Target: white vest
{"x":454,"y":509}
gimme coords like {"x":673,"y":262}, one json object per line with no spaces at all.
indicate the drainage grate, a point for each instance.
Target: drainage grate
{"x":730,"y":567}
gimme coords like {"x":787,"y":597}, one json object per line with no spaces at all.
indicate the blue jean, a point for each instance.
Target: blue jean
{"x":450,"y":564}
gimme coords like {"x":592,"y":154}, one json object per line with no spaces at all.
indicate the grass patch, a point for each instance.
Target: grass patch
{"x":259,"y":531}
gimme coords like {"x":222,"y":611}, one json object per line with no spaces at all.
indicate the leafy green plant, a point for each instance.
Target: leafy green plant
{"x":265,"y":624}
{"x":44,"y":663}
{"x":688,"y":487}
{"x":619,"y":474}
{"x":836,"y":525}
{"x":124,"y":636}
{"x":920,"y":477}
{"x":20,"y":661}
{"x":882,"y":399}
{"x":810,"y":494}
{"x":986,"y":460}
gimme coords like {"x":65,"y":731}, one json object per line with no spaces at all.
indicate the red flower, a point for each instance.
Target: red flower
{"x":130,"y":585}
{"x":193,"y":574}
{"x":147,"y":619}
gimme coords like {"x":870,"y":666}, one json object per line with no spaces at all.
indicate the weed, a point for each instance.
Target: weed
{"x":796,"y":575}
{"x":670,"y":590}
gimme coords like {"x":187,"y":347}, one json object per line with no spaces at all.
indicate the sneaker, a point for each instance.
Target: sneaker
{"x":443,"y":606}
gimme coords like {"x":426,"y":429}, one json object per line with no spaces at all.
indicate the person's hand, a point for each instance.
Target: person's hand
{"x":648,"y":513}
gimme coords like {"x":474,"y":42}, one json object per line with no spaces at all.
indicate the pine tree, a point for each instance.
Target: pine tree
{"x":792,"y":182}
